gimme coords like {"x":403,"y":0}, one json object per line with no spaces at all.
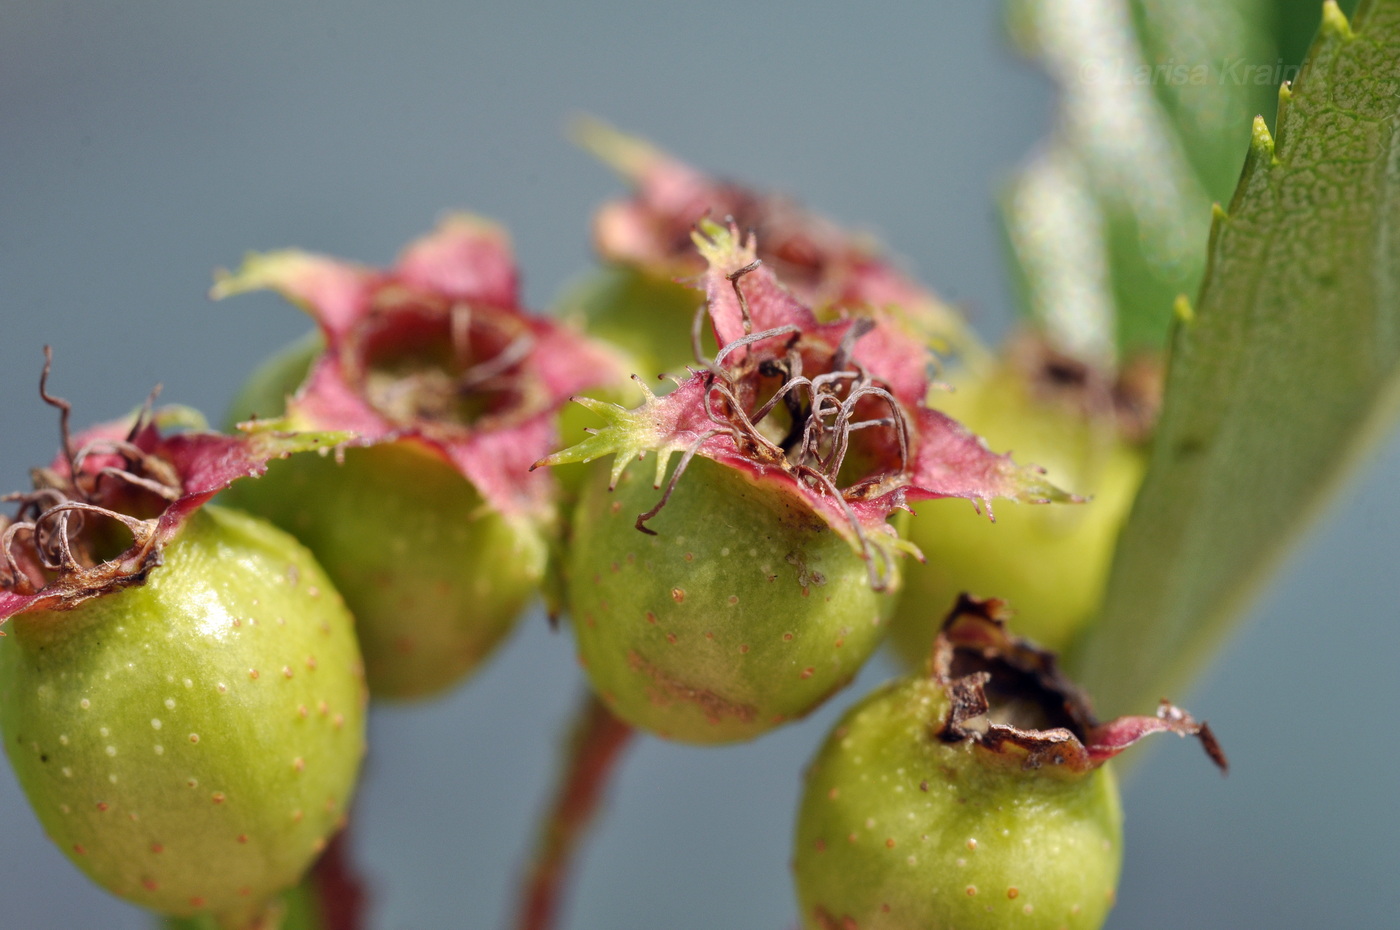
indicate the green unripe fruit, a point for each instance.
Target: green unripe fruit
{"x":745,"y":609}
{"x":436,"y":577}
{"x":1050,"y":563}
{"x":192,"y":741}
{"x":647,"y":316}
{"x":431,"y":521}
{"x":973,"y":796}
{"x":899,"y":830}
{"x":264,"y":395}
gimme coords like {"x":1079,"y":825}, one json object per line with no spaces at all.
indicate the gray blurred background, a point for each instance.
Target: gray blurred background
{"x":144,"y":144}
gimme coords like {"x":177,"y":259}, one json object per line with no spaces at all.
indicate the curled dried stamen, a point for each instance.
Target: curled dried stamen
{"x":749,"y":430}
{"x":733,"y":278}
{"x":141,"y":530}
{"x":879,"y":577}
{"x":750,"y":339}
{"x":513,"y":354}
{"x":696,"y":329}
{"x":160,"y":488}
{"x":460,"y":332}
{"x":65,"y":409}
{"x":689,"y":454}
{"x":782,"y":394}
{"x":17,"y":573}
{"x":860,"y":327}
{"x":163,"y":479}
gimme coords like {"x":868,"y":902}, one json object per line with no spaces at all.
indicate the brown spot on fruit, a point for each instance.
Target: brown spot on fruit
{"x":678,"y":594}
{"x":667,"y":689}
{"x":1013,"y":893}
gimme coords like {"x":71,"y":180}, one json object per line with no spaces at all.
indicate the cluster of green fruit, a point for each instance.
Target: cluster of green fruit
{"x":183,"y":692}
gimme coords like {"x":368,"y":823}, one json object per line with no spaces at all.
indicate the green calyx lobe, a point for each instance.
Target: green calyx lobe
{"x":434,"y":577}
{"x":743,"y":611}
{"x":191,"y":742}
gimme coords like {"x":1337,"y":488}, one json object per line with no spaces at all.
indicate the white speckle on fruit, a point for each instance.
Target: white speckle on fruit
{"x":169,"y":703}
{"x":63,"y":739}
{"x":170,"y":679}
{"x":160,"y":750}
{"x":111,"y":750}
{"x":724,"y":550}
{"x":67,"y":772}
{"x":85,"y":704}
{"x":221,"y":688}
{"x":188,"y":683}
{"x":112,"y":777}
{"x":65,"y":809}
{"x":962,"y":863}
{"x":155,"y":723}
{"x":101,"y":731}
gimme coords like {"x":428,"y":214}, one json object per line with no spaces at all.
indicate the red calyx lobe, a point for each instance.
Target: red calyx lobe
{"x":437,"y":351}
{"x":64,"y":544}
{"x":1011,"y":700}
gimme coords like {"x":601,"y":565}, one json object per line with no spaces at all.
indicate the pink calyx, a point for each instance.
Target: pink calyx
{"x":437,"y":351}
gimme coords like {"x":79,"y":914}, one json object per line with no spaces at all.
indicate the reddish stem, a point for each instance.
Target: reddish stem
{"x":595,"y":747}
{"x":339,"y":887}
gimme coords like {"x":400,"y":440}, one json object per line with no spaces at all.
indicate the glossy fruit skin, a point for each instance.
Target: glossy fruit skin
{"x":1050,"y":562}
{"x":745,"y":611}
{"x":434,"y":578}
{"x":899,"y":830}
{"x":191,"y":743}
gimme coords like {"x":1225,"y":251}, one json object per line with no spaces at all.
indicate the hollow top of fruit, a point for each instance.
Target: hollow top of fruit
{"x":1009,"y":699}
{"x":436,"y":350}
{"x":100,"y":514}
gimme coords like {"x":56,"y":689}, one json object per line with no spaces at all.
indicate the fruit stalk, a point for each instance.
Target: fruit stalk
{"x":595,"y":748}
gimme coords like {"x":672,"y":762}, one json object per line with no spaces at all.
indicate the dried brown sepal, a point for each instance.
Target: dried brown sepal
{"x":1011,"y":701}
{"x":99,"y":515}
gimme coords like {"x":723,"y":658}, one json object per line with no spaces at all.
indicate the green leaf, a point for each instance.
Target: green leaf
{"x":1282,"y":376}
{"x":1106,"y":220}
